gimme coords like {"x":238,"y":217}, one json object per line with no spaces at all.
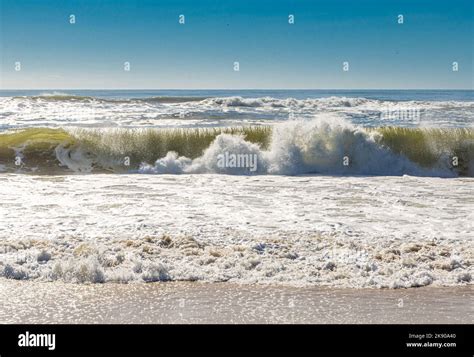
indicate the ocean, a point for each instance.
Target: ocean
{"x":210,"y":108}
{"x":350,"y":189}
{"x":423,"y":133}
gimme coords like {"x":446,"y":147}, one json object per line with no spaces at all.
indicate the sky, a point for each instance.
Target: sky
{"x":272,"y":54}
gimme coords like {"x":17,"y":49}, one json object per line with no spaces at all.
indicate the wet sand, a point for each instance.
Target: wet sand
{"x":209,"y":303}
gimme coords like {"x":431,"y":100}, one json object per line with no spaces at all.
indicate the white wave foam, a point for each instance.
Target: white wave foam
{"x":325,"y":145}
{"x":170,"y":164}
{"x":74,"y":158}
{"x":326,"y":102}
{"x":209,"y":161}
{"x":337,"y":231}
{"x":286,"y":103}
{"x":54,"y":94}
{"x":60,"y":109}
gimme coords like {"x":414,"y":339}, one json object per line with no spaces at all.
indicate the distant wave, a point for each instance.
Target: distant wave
{"x":287,"y":103}
{"x":332,"y":103}
{"x":262,"y":102}
{"x":59,"y":98}
{"x":164,"y":99}
{"x":63,"y":97}
{"x":64,"y":110}
{"x":319,"y":146}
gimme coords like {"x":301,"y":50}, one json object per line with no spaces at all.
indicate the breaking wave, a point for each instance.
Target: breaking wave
{"x":326,"y":145}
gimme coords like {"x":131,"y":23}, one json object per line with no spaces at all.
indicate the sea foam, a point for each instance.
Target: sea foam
{"x":325,"y":145}
{"x":386,"y":232}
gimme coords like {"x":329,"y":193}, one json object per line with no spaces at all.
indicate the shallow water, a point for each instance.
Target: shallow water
{"x":47,"y":303}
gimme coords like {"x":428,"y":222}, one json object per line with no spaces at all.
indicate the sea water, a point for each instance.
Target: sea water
{"x":399,"y":214}
{"x":191,"y":108}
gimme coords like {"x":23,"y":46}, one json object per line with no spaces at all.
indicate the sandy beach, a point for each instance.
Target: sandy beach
{"x":178,"y":302}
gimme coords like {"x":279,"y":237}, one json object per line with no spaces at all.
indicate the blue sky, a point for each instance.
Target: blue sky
{"x":55,"y":54}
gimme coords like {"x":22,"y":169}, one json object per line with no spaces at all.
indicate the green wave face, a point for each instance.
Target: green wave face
{"x":108,"y":149}
{"x":428,"y":146}
{"x":60,"y":151}
{"x":32,"y":149}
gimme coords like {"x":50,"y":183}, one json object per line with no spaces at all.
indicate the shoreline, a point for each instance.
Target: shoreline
{"x":27,"y":302}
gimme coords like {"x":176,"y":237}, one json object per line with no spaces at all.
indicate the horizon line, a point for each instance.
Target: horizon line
{"x":242,"y":89}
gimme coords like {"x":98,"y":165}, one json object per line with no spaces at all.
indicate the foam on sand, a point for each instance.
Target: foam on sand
{"x":355,"y":232}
